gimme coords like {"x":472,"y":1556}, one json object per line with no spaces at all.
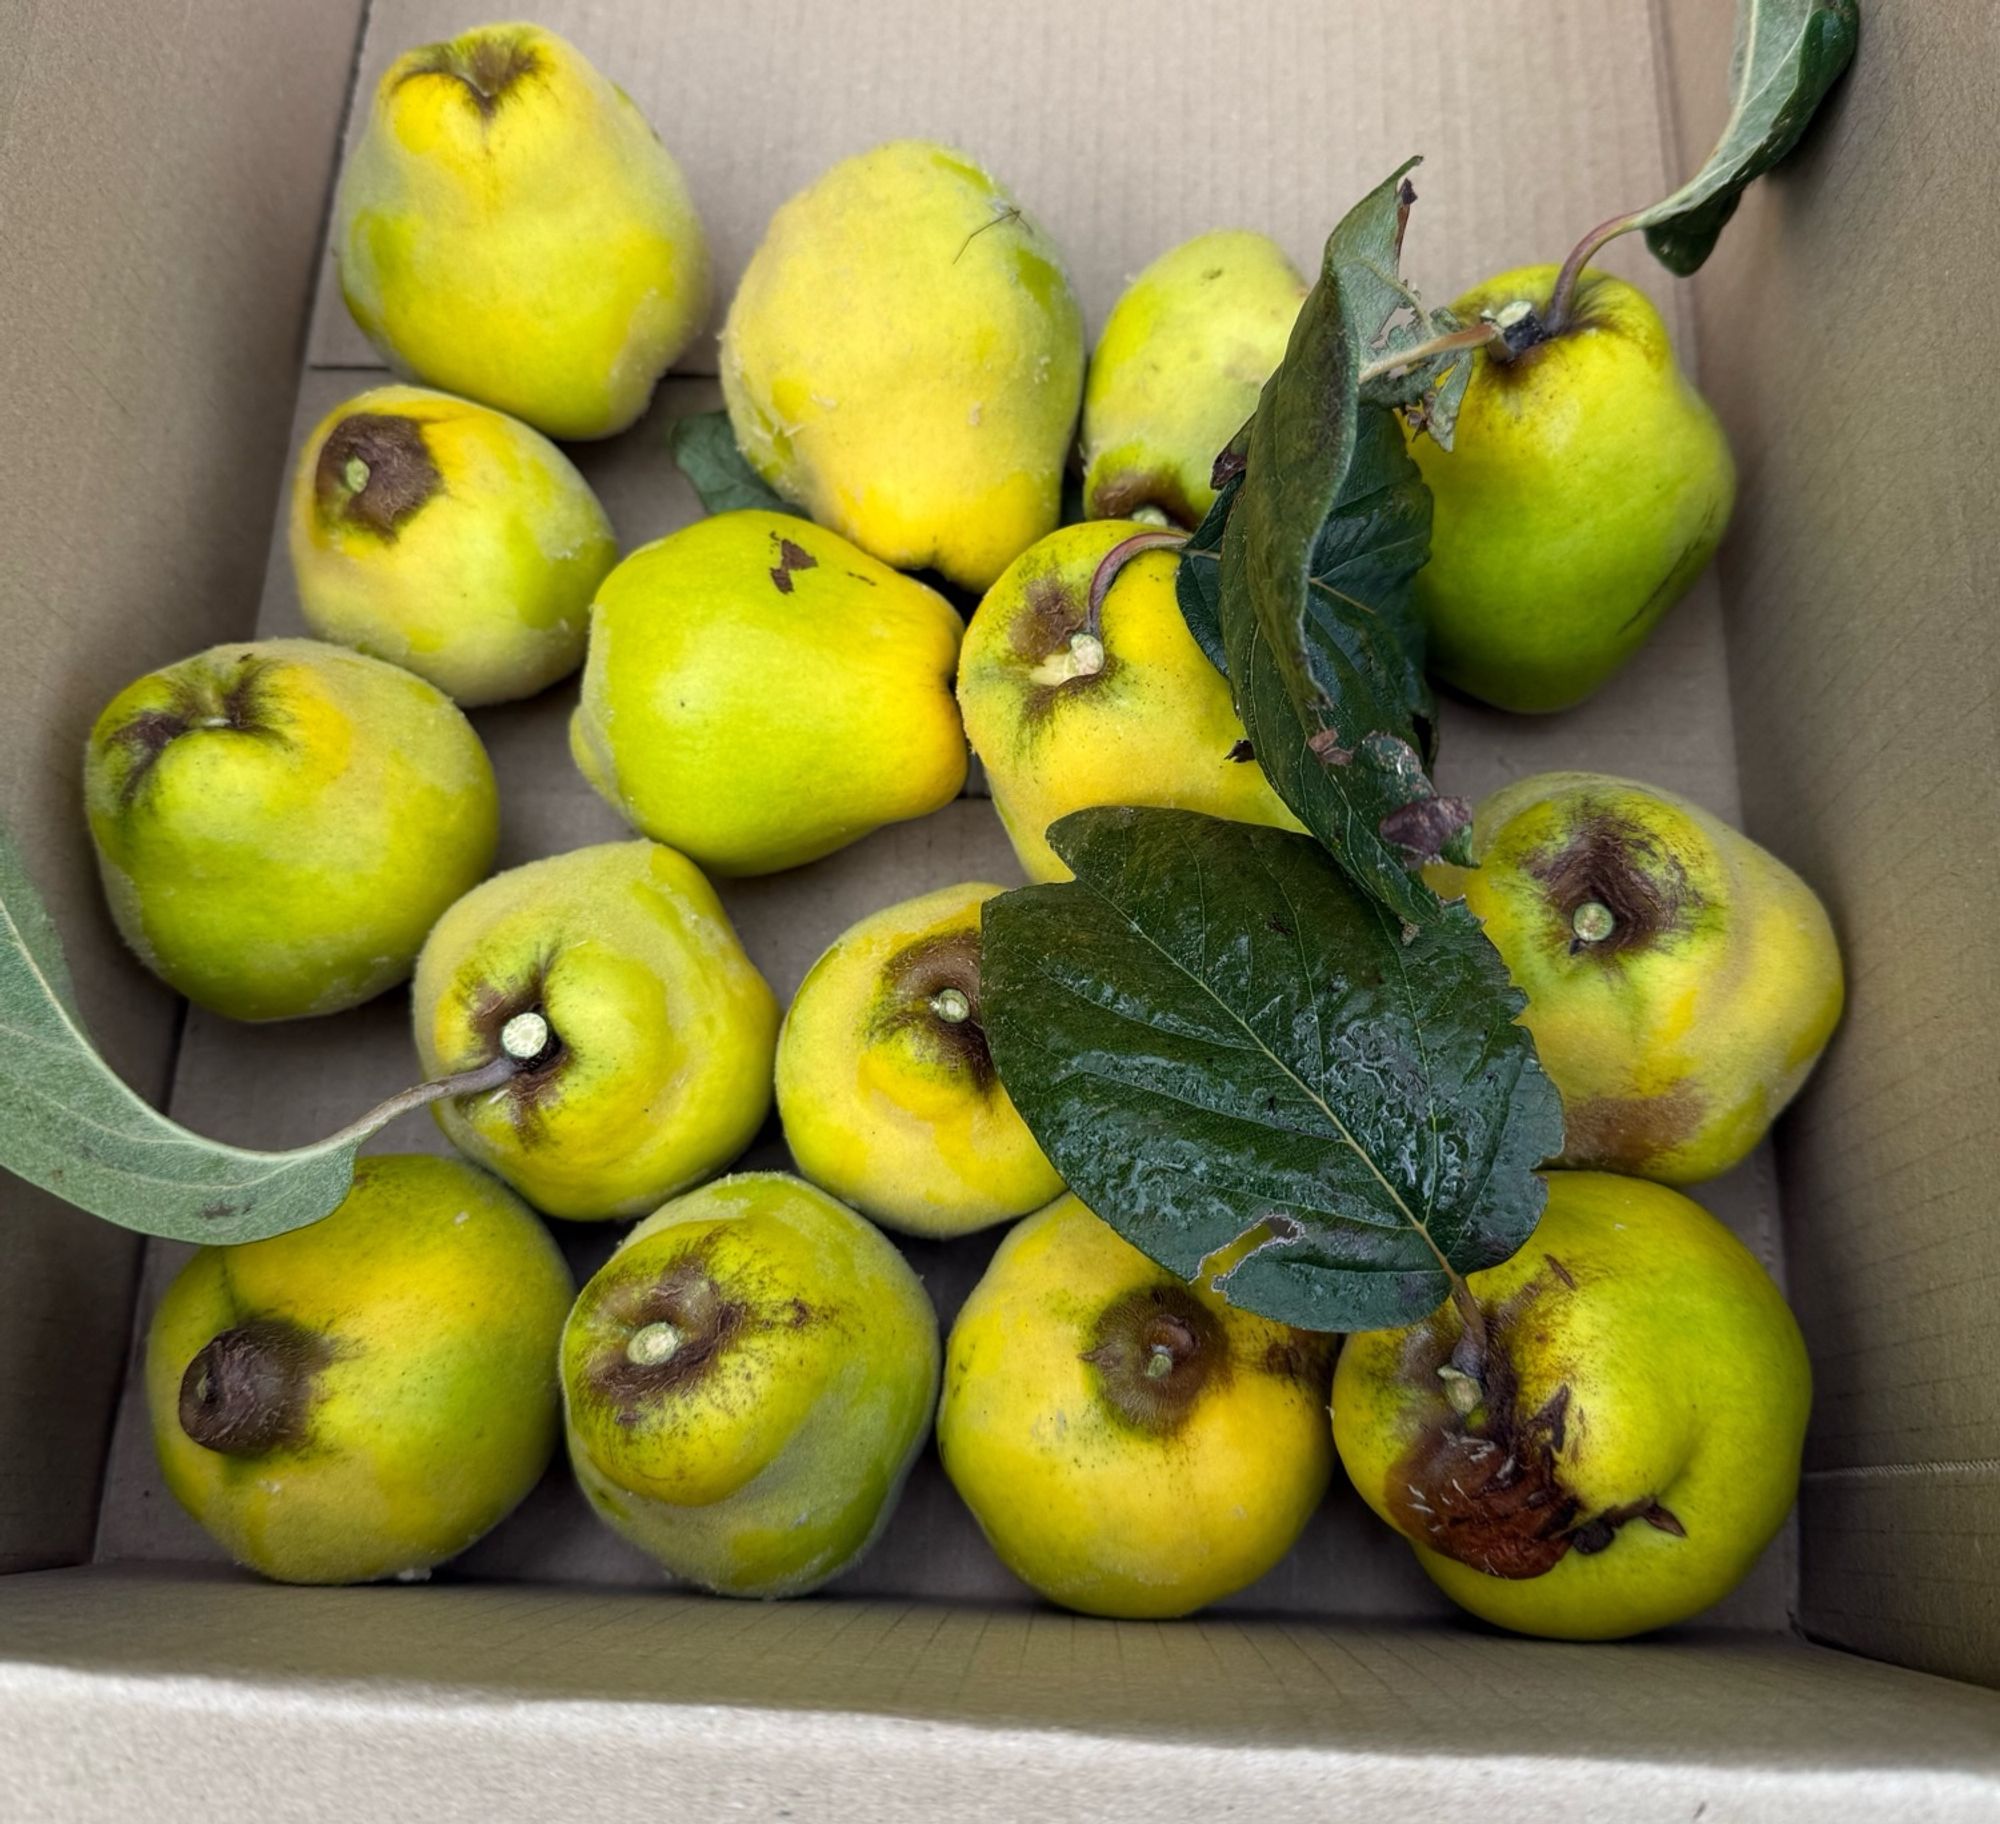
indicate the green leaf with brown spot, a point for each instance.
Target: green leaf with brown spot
{"x":1319,"y":547}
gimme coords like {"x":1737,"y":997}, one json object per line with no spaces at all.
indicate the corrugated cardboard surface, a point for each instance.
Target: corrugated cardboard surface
{"x":159,"y":183}
{"x":1862,"y":582}
{"x":282,"y":1085}
{"x":226,"y":1700}
{"x":1125,"y":127}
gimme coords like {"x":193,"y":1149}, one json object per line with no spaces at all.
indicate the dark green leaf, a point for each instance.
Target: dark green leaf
{"x":1210,"y":1030}
{"x":1332,"y":522}
{"x":705,"y":448}
{"x":68,"y":1124}
{"x":1788,"y":53}
{"x":1198,"y":581}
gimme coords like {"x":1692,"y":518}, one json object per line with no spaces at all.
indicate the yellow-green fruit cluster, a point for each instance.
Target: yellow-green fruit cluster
{"x":759,"y":693}
{"x":1635,"y":1443}
{"x":655,"y":1065}
{"x":1130,"y":1444}
{"x":366,"y":1396}
{"x":278,"y":824}
{"x":887,"y":1090}
{"x":510,"y":228}
{"x":1586,"y":487}
{"x":904,"y":358}
{"x":1068,"y":709}
{"x":1681,"y":981}
{"x":1176,"y":374}
{"x":747,"y":1382}
{"x":448,"y":539}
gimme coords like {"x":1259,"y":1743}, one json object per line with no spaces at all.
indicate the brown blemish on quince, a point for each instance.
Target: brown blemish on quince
{"x":1621,"y":865}
{"x":487,"y":64}
{"x":709,"y":1323}
{"x":1485,"y":1488}
{"x":1625,"y":1133}
{"x":913,"y":978}
{"x":244,"y":704}
{"x":250,"y":1390}
{"x":532,"y":1087}
{"x":1122,"y":495}
{"x":1300,"y":1356}
{"x":1162,"y":1323}
{"x":398,"y":473}
{"x":790,"y":557}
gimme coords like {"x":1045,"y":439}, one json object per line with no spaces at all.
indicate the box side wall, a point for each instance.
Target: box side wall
{"x":161,"y":186}
{"x":1842,"y":327}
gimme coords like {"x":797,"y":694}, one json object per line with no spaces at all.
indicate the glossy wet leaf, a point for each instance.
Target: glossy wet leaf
{"x":1318,"y":551}
{"x":1212,"y":1033}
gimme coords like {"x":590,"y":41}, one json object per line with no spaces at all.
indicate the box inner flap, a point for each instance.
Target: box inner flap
{"x":1414,"y":1690}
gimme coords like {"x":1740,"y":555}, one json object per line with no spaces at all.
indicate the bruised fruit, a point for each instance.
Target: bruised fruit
{"x":1586,"y":488}
{"x":366,"y":1396}
{"x":759,"y":693}
{"x":903,"y":359}
{"x":1681,"y":981}
{"x":746,"y":1383}
{"x":652,"y":1033}
{"x":1620,"y":1445}
{"x":508,"y":227}
{"x":887,"y":1090}
{"x":1130,"y":1444}
{"x":1176,"y":374}
{"x":278,"y":824}
{"x":448,"y":539}
{"x":1070,"y":707}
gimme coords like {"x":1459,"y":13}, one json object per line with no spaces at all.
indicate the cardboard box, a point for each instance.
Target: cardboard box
{"x":163,"y":186}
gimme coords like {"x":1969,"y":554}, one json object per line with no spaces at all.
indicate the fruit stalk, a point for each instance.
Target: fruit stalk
{"x":475,"y":1082}
{"x":1106,"y":574}
{"x":1581,"y":255}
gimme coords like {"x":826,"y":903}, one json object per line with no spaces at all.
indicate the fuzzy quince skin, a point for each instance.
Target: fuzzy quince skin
{"x":759,"y":693}
{"x":278,"y":824}
{"x":1632,"y":1442}
{"x":508,"y":227}
{"x":1064,"y":718}
{"x":903,"y":359}
{"x":746,"y":1383}
{"x":1587,"y":486}
{"x":656,"y":1066}
{"x":1176,"y":374}
{"x":448,"y":539}
{"x":366,"y":1396}
{"x":885,"y":1084}
{"x":1681,"y":981}
{"x":1131,"y":1445}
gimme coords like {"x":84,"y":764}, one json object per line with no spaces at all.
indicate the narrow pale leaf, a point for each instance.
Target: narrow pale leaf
{"x":1788,"y":53}
{"x":704,"y":446}
{"x":68,"y":1124}
{"x":1215,"y":1036}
